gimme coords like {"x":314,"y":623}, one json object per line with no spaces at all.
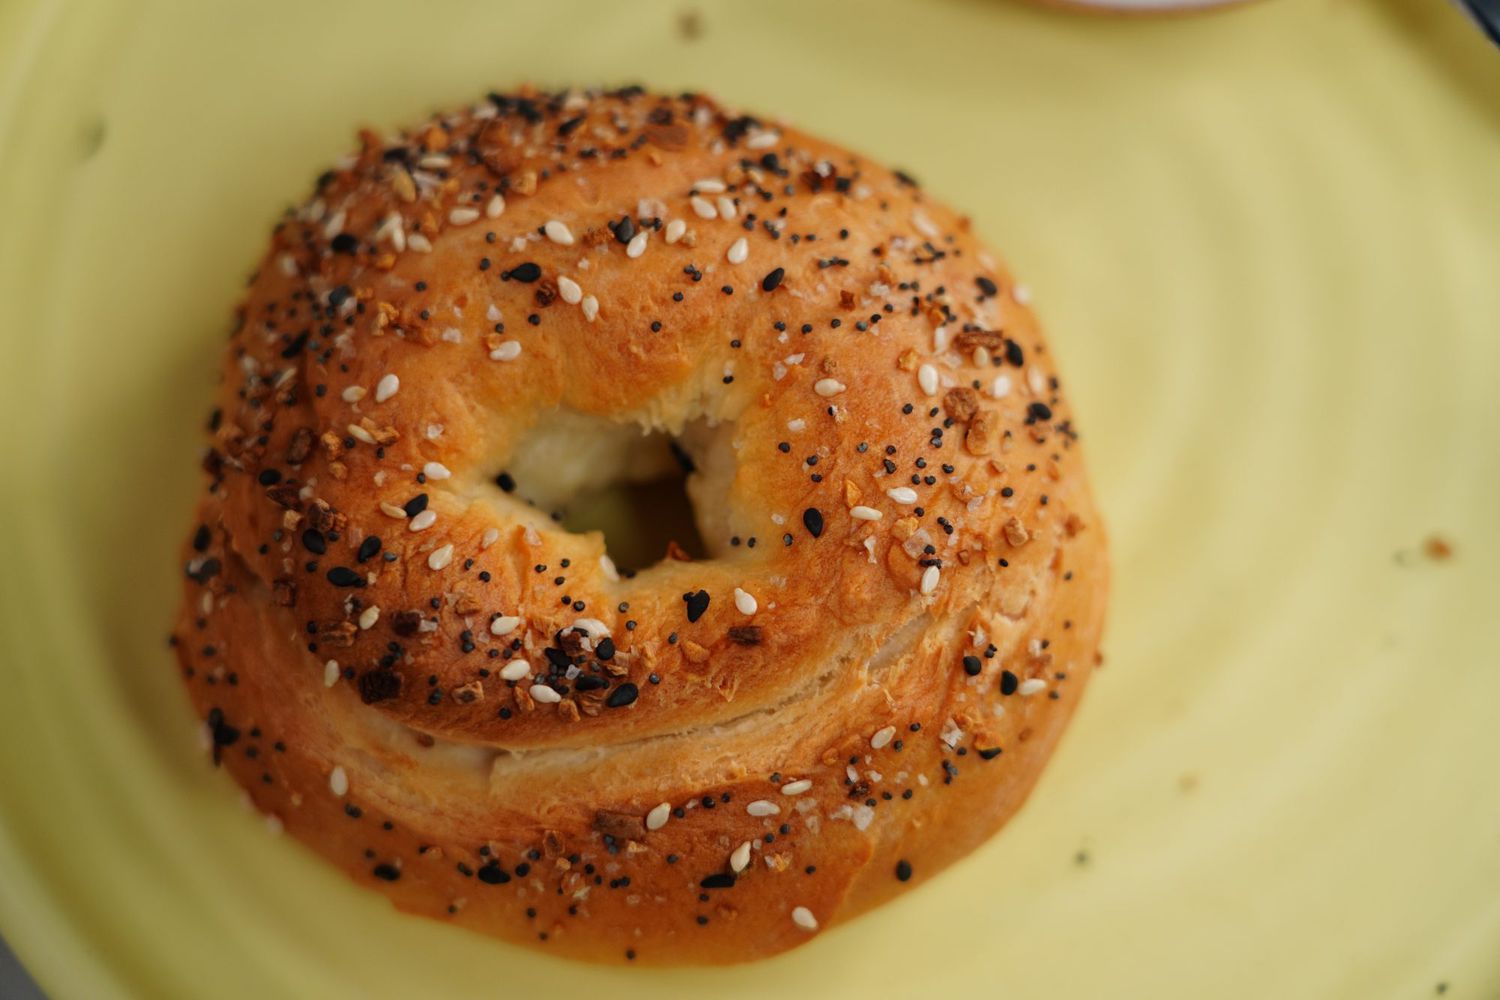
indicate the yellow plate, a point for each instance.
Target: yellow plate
{"x":1267,"y":244}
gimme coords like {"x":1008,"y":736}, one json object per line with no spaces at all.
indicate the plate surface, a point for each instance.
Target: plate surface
{"x":1266,"y":243}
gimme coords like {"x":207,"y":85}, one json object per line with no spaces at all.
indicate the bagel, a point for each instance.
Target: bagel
{"x":412,"y":664}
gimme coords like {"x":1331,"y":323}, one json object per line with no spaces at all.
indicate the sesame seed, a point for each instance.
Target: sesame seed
{"x":675,"y":230}
{"x":358,"y":433}
{"x":330,"y":673}
{"x":726,"y":208}
{"x":863,"y":513}
{"x":745,"y":602}
{"x":763,"y":140}
{"x":386,"y":387}
{"x":924,"y":225}
{"x":590,"y":307}
{"x":338,"y":782}
{"x":1000,"y":388}
{"x":637,"y":244}
{"x":740,"y":858}
{"x":507,"y":350}
{"x":369,"y":617}
{"x":738,"y":251}
{"x":504,"y":625}
{"x":796,"y":787}
{"x":772,"y":281}
{"x":902,"y":494}
{"x":353,"y":394}
{"x":569,"y":290}
{"x":1032,"y":685}
{"x":463,"y":216}
{"x":593,"y":626}
{"x":436,"y":470}
{"x":882,"y":737}
{"x":558,"y":233}
{"x":495,"y":207}
{"x":515,"y":670}
{"x":762,"y":807}
{"x":544,"y":694}
{"x":419,"y":243}
{"x":490,"y":537}
{"x":391,"y":510}
{"x":440,"y":557}
{"x":803,"y":918}
{"x":927,"y":378}
{"x":703,"y":208}
{"x":658,"y":816}
{"x":828,"y":387}
{"x":424,"y":520}
{"x":930,"y":579}
{"x":710,"y":185}
{"x":1021,"y":293}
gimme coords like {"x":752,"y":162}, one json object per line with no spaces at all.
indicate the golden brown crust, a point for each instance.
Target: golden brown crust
{"x":906,"y":511}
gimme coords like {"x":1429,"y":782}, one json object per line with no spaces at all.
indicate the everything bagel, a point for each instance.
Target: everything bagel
{"x":414,"y":668}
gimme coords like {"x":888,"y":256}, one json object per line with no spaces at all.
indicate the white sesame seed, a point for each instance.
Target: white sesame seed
{"x":558,"y":233}
{"x":490,"y":537}
{"x":590,"y":307}
{"x":796,"y":787}
{"x":745,"y":602}
{"x":828,"y":387}
{"x":453,"y":335}
{"x":1032,"y":685}
{"x":763,"y":140}
{"x":338,"y":782}
{"x":544,"y":694}
{"x":436,"y":471}
{"x":369,"y":617}
{"x":882,"y":737}
{"x":863,"y":513}
{"x":334,"y":225}
{"x":738,"y":251}
{"x":593,"y":626}
{"x":463,"y":216}
{"x":1021,"y":293}
{"x":675,"y":229}
{"x":927,"y":378}
{"x":1000,"y":388}
{"x":739,"y":858}
{"x":930,"y":579}
{"x":726,"y":207}
{"x":508,"y":350}
{"x":495,"y":207}
{"x":762,"y":807}
{"x":330,"y":673}
{"x":419,"y":243}
{"x":608,"y":568}
{"x":353,"y":394}
{"x":803,"y":918}
{"x":797,"y":425}
{"x":924,"y":225}
{"x":658,"y":816}
{"x":423,"y":520}
{"x":442,"y":557}
{"x":504,"y":625}
{"x":391,"y":510}
{"x":637,"y":244}
{"x":515,"y":670}
{"x":902,"y":494}
{"x":569,"y":290}
{"x":358,"y":433}
{"x":386,"y":387}
{"x":710,"y":185}
{"x":703,"y":208}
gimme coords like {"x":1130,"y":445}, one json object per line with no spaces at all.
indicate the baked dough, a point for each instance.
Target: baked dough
{"x":412,"y":668}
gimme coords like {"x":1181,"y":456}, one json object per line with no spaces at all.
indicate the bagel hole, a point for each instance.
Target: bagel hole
{"x":633,"y":486}
{"x":640,"y":520}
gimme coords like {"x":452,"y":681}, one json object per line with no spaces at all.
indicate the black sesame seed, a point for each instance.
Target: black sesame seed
{"x":903,"y":870}
{"x":772,"y":280}
{"x":972,"y":666}
{"x":625,"y":694}
{"x":527,"y":272}
{"x":812,"y":519}
{"x":343,"y":576}
{"x":1009,"y":682}
{"x":697,"y":603}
